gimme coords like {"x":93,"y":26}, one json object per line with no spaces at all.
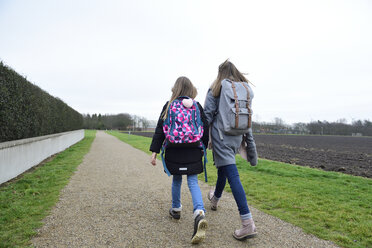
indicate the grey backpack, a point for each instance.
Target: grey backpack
{"x":235,"y":113}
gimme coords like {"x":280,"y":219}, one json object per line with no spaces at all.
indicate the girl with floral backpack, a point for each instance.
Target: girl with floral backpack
{"x":182,"y":133}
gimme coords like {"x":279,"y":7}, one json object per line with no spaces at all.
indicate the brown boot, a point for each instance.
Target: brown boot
{"x":247,"y":231}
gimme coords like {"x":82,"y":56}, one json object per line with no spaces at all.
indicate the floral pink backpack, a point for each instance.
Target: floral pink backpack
{"x":183,"y":125}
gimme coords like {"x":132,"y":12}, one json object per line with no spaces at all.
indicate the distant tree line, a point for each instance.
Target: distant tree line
{"x":278,"y":126}
{"x":119,"y":122}
{"x":340,"y":127}
{"x":28,"y":111}
{"x":358,"y":127}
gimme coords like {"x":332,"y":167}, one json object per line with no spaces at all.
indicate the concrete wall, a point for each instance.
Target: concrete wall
{"x":20,"y":155}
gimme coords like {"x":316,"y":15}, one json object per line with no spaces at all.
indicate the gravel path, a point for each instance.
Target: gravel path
{"x":117,"y":199}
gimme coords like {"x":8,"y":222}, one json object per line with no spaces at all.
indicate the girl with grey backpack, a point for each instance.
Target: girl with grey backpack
{"x":228,"y":111}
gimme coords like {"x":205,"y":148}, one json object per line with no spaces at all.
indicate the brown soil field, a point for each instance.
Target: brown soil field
{"x":346,"y":154}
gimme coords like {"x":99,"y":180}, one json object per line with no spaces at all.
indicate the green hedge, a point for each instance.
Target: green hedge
{"x":28,"y":111}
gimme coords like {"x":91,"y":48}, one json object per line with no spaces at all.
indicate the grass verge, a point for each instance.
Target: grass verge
{"x":25,"y":201}
{"x":333,"y":206}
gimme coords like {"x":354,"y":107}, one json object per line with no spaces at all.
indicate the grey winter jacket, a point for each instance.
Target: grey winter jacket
{"x":224,"y":146}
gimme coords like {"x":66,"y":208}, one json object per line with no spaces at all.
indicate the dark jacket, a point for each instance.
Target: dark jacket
{"x":183,"y":153}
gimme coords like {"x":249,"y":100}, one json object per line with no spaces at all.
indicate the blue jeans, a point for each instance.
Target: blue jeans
{"x":231,"y":173}
{"x":192,"y":182}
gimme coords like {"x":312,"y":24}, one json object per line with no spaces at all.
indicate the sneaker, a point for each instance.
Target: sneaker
{"x":200,"y":226}
{"x":213,"y":200}
{"x":175,"y":214}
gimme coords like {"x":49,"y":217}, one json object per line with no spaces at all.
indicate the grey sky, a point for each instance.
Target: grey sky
{"x":308,"y":60}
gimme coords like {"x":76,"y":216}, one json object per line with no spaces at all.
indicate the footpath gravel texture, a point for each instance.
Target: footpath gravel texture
{"x":117,"y":198}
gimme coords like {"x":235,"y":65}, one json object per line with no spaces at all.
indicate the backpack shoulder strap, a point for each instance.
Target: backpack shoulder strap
{"x":205,"y":162}
{"x":197,"y":113}
{"x":249,"y":109}
{"x":236,"y":105}
{"x":163,"y":159}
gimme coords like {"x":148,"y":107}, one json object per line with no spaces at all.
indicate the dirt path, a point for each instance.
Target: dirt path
{"x":117,"y":199}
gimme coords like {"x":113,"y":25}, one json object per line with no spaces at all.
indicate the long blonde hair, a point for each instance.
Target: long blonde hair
{"x":229,"y":71}
{"x":182,"y":87}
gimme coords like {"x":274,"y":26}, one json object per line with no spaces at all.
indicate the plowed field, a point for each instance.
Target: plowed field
{"x":351,"y":155}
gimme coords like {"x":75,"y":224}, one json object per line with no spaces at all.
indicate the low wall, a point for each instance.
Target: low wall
{"x":20,"y":155}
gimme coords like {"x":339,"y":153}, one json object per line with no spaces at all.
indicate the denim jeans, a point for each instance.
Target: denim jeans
{"x":231,"y":173}
{"x":192,"y":182}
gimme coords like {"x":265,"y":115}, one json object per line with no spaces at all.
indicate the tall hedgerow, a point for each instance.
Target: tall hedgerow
{"x":28,"y":111}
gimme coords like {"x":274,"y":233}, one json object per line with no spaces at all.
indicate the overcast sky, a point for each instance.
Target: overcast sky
{"x":309,"y":60}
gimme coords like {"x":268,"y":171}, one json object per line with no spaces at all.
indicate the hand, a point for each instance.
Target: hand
{"x":153,"y":158}
{"x":210,"y":147}
{"x":251,"y":149}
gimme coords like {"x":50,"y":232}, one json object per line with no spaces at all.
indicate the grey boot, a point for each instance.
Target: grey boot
{"x":247,"y":231}
{"x":213,"y":199}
